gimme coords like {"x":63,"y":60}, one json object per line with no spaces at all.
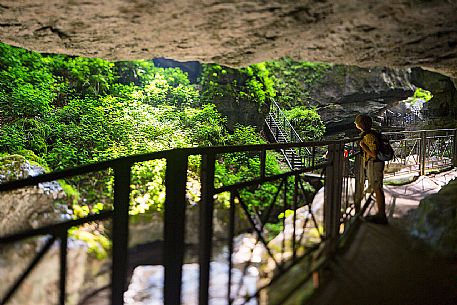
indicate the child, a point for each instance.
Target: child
{"x":374,"y":167}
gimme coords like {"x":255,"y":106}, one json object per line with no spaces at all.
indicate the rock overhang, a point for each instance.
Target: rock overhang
{"x":365,"y":33}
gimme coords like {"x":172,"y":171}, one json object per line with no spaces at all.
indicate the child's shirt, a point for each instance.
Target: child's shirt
{"x":372,"y":142}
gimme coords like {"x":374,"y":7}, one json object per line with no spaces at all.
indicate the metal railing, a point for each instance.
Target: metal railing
{"x":288,"y":194}
{"x":414,"y":117}
{"x":421,"y":151}
{"x":282,"y":131}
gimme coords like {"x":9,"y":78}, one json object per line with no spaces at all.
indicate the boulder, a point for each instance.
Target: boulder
{"x":435,"y":220}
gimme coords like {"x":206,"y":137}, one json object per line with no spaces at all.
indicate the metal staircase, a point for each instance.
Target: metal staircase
{"x":280,"y":130}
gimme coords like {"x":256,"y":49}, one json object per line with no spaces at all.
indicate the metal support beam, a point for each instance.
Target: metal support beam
{"x":120,"y":232}
{"x":454,"y":151}
{"x":206,"y":225}
{"x":332,"y":197}
{"x":174,"y":227}
{"x":63,"y":267}
{"x":359,"y":174}
{"x":423,"y":152}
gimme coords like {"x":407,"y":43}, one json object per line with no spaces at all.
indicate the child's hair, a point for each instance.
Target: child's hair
{"x":364,"y":121}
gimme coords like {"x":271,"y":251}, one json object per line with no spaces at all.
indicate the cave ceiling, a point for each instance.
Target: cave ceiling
{"x":402,"y":33}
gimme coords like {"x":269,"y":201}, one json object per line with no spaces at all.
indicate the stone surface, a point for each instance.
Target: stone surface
{"x":435,"y":220}
{"x":345,"y":91}
{"x":41,"y":286}
{"x":29,"y":207}
{"x":238,"y":33}
{"x":34,"y":207}
{"x":147,"y":285}
{"x":443,"y":88}
{"x":148,"y":227}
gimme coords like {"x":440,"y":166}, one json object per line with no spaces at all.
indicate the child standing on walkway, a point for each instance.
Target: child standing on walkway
{"x":374,"y":167}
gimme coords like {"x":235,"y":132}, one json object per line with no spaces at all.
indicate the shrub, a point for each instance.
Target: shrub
{"x":307,"y":122}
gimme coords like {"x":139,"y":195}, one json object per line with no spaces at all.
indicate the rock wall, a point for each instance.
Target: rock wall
{"x":34,"y":207}
{"x":29,"y":207}
{"x":41,"y":286}
{"x":435,"y":220}
{"x":148,"y":227}
{"x":443,"y":88}
{"x":231,"y":94}
{"x":345,"y":91}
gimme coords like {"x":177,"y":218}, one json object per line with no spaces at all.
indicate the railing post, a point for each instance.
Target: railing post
{"x":359,"y":177}
{"x":293,"y":159}
{"x":263,"y":158}
{"x":332,"y":197}
{"x":206,"y":225}
{"x":120,"y":232}
{"x":454,"y":151}
{"x":423,"y":152}
{"x":63,"y":267}
{"x":174,"y":227}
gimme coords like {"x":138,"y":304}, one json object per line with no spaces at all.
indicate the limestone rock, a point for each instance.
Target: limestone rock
{"x":41,"y":286}
{"x":435,"y":220}
{"x":345,"y":91}
{"x":238,"y":33}
{"x":147,"y":285}
{"x":28,"y":207}
{"x":443,"y":88}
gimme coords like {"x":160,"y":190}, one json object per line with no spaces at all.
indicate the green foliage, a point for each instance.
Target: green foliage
{"x":148,"y":190}
{"x":251,"y":84}
{"x":420,"y":94}
{"x":292,"y":80}
{"x":26,"y":86}
{"x":64,"y":111}
{"x":82,"y":76}
{"x":205,"y":125}
{"x":307,"y":122}
{"x":285,"y":214}
{"x":97,"y":243}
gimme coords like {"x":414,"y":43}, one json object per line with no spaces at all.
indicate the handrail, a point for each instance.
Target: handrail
{"x":175,"y":185}
{"x":286,"y":122}
{"x":103,"y":165}
{"x":341,"y":174}
{"x":279,"y":126}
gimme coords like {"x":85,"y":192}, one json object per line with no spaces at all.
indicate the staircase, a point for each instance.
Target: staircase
{"x":280,"y":130}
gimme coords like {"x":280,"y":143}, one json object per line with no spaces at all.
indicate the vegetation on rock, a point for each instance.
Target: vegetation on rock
{"x":66,"y":111}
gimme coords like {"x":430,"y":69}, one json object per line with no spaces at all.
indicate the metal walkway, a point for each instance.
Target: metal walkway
{"x":384,"y":265}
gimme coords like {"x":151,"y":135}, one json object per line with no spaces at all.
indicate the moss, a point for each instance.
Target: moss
{"x":294,"y":80}
{"x":11,"y":167}
{"x":252,"y":83}
{"x":33,"y":159}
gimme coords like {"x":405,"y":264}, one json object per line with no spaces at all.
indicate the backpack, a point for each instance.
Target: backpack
{"x":385,"y":150}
